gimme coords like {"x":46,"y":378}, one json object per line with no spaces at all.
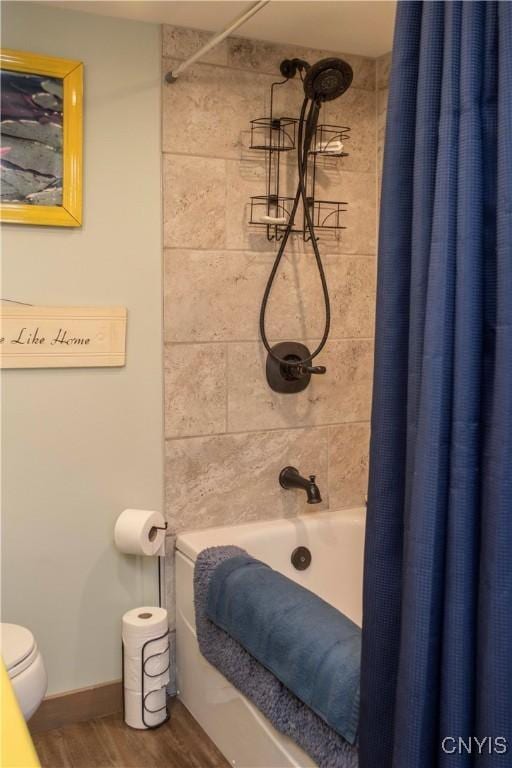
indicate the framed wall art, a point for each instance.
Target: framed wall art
{"x":41,"y":139}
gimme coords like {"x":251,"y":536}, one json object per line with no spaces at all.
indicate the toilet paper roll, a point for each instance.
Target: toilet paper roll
{"x":134,"y":647}
{"x":140,"y":532}
{"x":133,"y":708}
{"x":156,"y":679}
{"x":142,"y":624}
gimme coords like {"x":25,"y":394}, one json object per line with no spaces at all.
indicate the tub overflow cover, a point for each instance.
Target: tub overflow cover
{"x":301,"y":558}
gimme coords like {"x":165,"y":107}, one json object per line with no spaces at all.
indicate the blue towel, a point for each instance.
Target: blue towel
{"x":312,"y":648}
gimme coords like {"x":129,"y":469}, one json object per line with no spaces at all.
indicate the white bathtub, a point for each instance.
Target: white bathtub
{"x":335,"y":539}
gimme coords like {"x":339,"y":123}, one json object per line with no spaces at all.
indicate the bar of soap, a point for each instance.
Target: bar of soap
{"x":273,"y":219}
{"x":332,"y":147}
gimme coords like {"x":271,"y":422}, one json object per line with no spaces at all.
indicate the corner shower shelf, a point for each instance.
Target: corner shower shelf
{"x":275,"y":206}
{"x":327,"y":214}
{"x":330,"y":140}
{"x":275,"y":134}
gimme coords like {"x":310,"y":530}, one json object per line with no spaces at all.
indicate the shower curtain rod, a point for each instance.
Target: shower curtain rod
{"x":173,"y":75}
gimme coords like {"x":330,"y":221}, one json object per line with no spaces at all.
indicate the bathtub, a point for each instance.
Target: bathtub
{"x":335,"y":539}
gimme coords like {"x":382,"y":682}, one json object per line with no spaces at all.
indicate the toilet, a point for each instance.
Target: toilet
{"x":24,"y":665}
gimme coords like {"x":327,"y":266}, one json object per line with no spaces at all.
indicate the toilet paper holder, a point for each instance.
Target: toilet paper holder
{"x":144,"y":708}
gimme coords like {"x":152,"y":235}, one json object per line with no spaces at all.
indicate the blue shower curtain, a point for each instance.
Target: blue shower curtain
{"x":437,"y":627}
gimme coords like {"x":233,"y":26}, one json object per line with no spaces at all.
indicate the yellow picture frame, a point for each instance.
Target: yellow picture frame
{"x":69,"y":214}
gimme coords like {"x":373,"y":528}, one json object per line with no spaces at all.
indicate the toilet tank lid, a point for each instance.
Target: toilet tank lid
{"x":16,"y":643}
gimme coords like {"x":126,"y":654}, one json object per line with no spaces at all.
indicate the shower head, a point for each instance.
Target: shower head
{"x":327,"y":79}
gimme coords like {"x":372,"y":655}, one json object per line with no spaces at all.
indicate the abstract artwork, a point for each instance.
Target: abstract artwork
{"x":41,"y":139}
{"x":31,"y":128}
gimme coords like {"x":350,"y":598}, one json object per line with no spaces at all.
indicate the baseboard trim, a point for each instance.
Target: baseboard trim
{"x":76,"y":706}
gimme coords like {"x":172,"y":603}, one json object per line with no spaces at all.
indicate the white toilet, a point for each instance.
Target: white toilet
{"x":24,"y":666}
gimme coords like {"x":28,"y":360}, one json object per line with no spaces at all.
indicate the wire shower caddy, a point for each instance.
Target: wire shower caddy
{"x":275,"y":136}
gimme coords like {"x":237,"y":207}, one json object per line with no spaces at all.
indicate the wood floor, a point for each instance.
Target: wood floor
{"x":107,"y":741}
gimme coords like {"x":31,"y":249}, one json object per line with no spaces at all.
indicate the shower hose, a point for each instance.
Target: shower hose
{"x":307,"y":126}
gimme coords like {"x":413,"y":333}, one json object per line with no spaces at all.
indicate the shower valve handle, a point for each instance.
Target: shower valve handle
{"x":305,"y":369}
{"x":301,"y":370}
{"x":295,"y":369}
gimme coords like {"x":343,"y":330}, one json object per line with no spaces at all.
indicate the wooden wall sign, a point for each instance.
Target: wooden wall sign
{"x":61,"y":337}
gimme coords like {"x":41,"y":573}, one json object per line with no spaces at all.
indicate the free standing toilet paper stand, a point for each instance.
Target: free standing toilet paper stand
{"x":144,"y":660}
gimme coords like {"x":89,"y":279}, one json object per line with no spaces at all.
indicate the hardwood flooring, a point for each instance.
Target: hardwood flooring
{"x":106,"y":742}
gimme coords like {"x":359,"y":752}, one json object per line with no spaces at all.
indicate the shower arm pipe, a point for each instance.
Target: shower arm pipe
{"x":173,"y":74}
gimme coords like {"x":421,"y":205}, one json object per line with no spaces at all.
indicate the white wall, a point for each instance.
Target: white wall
{"x":81,"y":445}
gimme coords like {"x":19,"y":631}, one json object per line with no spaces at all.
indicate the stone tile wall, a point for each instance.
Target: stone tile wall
{"x":227,"y":434}
{"x":383,"y":64}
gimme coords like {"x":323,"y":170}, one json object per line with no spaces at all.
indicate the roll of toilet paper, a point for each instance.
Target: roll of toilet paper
{"x":146,"y":619}
{"x":133,"y":674}
{"x":142,"y":624}
{"x":140,"y":532}
{"x":154,"y":712}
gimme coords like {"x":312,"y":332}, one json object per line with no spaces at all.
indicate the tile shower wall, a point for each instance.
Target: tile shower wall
{"x":383,"y":64}
{"x":227,"y":434}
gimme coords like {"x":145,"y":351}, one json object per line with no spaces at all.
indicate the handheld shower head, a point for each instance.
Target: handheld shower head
{"x":327,"y":79}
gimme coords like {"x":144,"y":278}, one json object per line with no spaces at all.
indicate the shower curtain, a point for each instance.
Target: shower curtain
{"x":436,"y":680}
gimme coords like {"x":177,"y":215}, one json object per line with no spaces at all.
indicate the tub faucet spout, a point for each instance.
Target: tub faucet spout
{"x":289,"y":477}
